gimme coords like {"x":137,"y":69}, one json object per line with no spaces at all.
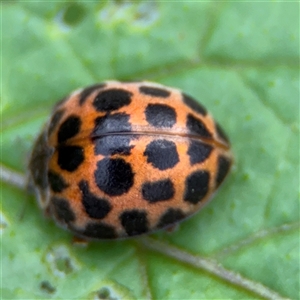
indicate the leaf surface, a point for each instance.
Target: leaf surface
{"x":241,"y":60}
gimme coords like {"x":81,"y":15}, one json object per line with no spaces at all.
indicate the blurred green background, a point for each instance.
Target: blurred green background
{"x":241,"y":60}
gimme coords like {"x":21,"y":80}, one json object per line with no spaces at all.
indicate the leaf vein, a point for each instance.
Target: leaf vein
{"x":12,"y":177}
{"x":255,"y":238}
{"x":212,"y":267}
{"x":144,"y":274}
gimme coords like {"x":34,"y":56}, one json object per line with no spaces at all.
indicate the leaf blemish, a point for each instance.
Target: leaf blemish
{"x":106,"y":293}
{"x":3,"y":223}
{"x":70,"y":16}
{"x":139,"y":15}
{"x":60,"y":261}
{"x":47,"y":287}
{"x":147,"y":14}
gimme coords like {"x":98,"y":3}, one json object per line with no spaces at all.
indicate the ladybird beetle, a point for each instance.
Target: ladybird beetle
{"x":120,"y":159}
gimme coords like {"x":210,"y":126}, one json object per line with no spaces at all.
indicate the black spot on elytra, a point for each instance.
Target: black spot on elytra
{"x":112,"y":99}
{"x":55,"y":120}
{"x":88,"y":91}
{"x":223,"y":168}
{"x":197,"y":127}
{"x":154,"y":91}
{"x":196,"y":186}
{"x":160,"y":115}
{"x":116,"y":123}
{"x":94,"y":206}
{"x":161,"y":190}
{"x":221,"y":133}
{"x":162,"y":154}
{"x":99,"y":231}
{"x":70,"y":157}
{"x":114,"y":176}
{"x":57,"y":182}
{"x":134,"y":222}
{"x":194,"y":104}
{"x":198,"y":152}
{"x":68,"y":129}
{"x":171,"y":216}
{"x":62,"y":209}
{"x":113,"y":144}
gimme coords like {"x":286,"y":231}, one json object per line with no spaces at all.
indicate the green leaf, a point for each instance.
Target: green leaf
{"x":241,"y":60}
